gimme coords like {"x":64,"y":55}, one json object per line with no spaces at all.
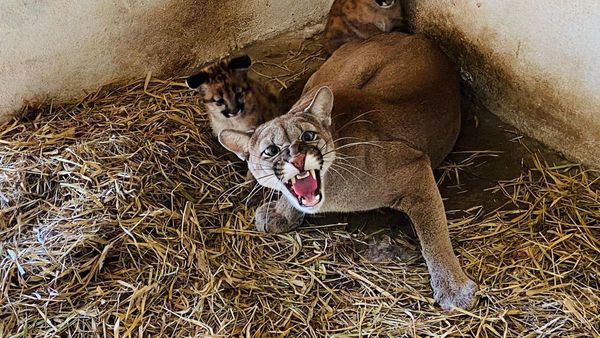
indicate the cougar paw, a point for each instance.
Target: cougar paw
{"x":454,"y":292}
{"x":267,"y":219}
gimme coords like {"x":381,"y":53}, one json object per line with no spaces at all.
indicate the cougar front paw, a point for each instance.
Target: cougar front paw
{"x":267,"y":219}
{"x":454,"y":292}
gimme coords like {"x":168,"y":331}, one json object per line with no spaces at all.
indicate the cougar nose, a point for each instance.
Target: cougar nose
{"x":298,"y":161}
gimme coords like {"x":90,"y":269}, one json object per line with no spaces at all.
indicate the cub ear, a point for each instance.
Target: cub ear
{"x":242,"y":62}
{"x":196,"y":80}
{"x":236,"y":141}
{"x":321,"y":106}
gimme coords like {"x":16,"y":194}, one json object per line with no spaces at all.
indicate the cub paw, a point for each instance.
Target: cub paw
{"x":267,"y":219}
{"x":454,"y":293}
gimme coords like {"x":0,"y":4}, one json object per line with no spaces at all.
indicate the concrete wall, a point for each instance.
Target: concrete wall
{"x":61,"y":48}
{"x":535,"y":63}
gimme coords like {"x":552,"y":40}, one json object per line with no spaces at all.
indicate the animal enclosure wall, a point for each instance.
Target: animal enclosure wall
{"x":534,"y":63}
{"x":59,"y":49}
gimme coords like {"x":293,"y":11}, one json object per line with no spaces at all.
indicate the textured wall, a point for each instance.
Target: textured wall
{"x":61,"y":48}
{"x":534,"y":63}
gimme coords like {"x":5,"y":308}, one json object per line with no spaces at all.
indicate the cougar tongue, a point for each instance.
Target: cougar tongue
{"x":305,"y":187}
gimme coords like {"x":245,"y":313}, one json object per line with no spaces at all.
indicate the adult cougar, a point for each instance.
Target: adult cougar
{"x":396,"y":114}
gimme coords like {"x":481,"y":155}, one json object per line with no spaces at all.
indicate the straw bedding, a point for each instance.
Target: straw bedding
{"x":121,"y":217}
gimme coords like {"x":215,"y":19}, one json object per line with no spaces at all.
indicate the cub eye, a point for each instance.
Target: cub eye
{"x":220,"y":102}
{"x":308,"y":136}
{"x":271,"y":151}
{"x":385,"y":3}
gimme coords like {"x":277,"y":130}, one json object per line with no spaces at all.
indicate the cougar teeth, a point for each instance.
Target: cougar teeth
{"x":312,"y":173}
{"x":305,"y":175}
{"x":293,"y":180}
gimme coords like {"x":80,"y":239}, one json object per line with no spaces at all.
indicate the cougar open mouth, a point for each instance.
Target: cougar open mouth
{"x":306,"y":187}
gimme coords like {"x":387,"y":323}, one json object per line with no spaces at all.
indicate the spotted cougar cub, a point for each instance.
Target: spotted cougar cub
{"x":365,"y":134}
{"x":233,"y":99}
{"x":359,"y":19}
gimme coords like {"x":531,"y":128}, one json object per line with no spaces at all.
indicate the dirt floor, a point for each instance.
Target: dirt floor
{"x":121,"y":216}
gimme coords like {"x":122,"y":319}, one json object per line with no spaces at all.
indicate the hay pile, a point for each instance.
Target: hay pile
{"x":119,"y":217}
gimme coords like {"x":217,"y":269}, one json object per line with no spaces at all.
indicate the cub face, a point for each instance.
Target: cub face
{"x":360,"y":19}
{"x":223,"y":86}
{"x":291,"y":153}
{"x":386,"y":15}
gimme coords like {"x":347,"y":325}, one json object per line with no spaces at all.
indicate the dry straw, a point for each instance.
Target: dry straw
{"x":120,"y":218}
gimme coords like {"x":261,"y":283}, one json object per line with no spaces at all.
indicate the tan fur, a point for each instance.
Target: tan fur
{"x":385,"y":110}
{"x":258,"y":103}
{"x":350,"y":20}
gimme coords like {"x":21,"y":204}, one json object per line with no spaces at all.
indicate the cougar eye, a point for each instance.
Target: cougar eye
{"x":308,"y":136}
{"x":271,"y":151}
{"x":220,"y":102}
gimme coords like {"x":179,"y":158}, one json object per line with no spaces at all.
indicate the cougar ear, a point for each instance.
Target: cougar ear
{"x":321,"y":106}
{"x":236,"y":141}
{"x":196,"y":80}
{"x":242,"y":62}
